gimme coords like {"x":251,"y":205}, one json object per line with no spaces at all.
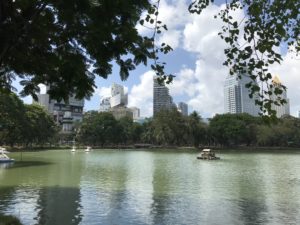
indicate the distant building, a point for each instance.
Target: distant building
{"x":183,"y":108}
{"x":118,"y":96}
{"x":161,"y":97}
{"x":236,"y":96}
{"x":105,"y":105}
{"x":136,"y":112}
{"x":64,"y":114}
{"x":280,"y":109}
{"x":120,"y":112}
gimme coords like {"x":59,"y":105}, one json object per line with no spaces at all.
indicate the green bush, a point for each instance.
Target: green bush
{"x":9,"y":220}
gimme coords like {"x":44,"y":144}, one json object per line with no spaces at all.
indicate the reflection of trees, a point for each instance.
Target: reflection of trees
{"x":281,"y":180}
{"x":6,"y":197}
{"x":251,"y":191}
{"x":59,"y":205}
{"x":161,"y":191}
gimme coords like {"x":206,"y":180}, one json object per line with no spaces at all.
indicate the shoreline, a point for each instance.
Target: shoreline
{"x":157,"y":148}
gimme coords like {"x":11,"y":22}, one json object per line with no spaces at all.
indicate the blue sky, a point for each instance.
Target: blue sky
{"x":196,"y":61}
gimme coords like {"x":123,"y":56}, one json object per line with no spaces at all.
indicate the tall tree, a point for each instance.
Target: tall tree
{"x":40,"y":125}
{"x":196,"y":129}
{"x":233,"y":129}
{"x":170,"y":127}
{"x":99,"y":129}
{"x":12,"y":119}
{"x":66,"y":43}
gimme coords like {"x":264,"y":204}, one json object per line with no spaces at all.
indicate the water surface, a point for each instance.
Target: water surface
{"x":145,"y":187}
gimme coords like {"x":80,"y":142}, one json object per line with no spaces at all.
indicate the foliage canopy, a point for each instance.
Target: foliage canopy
{"x":255,"y":41}
{"x":66,"y":44}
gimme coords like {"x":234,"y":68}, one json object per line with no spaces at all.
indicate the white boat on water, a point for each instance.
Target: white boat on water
{"x":88,"y":149}
{"x":3,"y":157}
{"x":73,"y":149}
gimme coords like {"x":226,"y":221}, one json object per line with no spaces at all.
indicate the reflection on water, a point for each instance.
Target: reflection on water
{"x":135,"y":187}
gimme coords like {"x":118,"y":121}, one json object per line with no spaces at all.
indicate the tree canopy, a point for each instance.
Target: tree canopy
{"x":24,"y":124}
{"x":66,"y":44}
{"x":256,"y":40}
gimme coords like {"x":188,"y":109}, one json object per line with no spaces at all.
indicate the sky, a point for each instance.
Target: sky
{"x":196,"y":61}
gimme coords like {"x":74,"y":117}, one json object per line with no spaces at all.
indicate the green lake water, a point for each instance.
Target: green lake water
{"x":151,"y":187}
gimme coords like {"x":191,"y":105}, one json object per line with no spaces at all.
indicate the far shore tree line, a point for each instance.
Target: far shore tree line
{"x":31,"y":125}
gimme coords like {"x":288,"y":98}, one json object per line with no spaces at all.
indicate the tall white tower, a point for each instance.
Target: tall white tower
{"x":236,"y":96}
{"x":118,"y":96}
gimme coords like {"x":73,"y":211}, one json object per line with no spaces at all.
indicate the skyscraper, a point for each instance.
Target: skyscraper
{"x":280,"y":109}
{"x":183,"y":108}
{"x":161,"y":97}
{"x":118,"y":96}
{"x":236,"y":96}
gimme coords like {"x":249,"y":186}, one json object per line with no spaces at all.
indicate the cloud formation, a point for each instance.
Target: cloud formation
{"x":202,"y":84}
{"x":141,"y":95}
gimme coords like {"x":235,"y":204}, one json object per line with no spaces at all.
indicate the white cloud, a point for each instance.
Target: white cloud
{"x":203,"y":85}
{"x":171,"y":38}
{"x":141,"y":95}
{"x":103,"y":92}
{"x":173,"y":14}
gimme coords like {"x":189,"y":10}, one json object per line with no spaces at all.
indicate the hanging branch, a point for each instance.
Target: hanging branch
{"x":157,"y":26}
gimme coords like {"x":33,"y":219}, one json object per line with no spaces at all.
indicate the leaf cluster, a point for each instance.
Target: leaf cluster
{"x":254,"y":42}
{"x":65,"y":44}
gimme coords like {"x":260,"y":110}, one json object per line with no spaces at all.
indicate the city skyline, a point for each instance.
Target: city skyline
{"x":197,"y":63}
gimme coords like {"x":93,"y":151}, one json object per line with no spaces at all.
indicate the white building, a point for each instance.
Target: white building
{"x":136,"y":112}
{"x":104,"y":104}
{"x":280,"y":109}
{"x":118,"y":96}
{"x":236,"y":96}
{"x":161,"y":97}
{"x":183,"y":108}
{"x":64,"y":114}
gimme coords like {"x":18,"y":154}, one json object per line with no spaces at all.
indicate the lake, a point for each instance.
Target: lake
{"x":151,"y":187}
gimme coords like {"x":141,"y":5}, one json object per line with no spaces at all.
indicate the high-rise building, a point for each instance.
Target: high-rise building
{"x":183,"y":108}
{"x":236,"y":96}
{"x":118,"y":96}
{"x":161,"y":97}
{"x":64,"y":114}
{"x":280,"y":109}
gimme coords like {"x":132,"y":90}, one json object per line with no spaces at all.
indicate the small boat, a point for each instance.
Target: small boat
{"x":73,"y":149}
{"x":88,"y":149}
{"x":3,"y":157}
{"x":207,"y":154}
